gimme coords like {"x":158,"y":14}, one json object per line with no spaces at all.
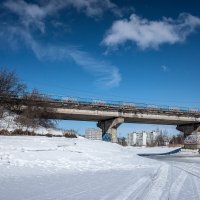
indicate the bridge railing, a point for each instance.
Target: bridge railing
{"x":118,"y":104}
{"x":121,"y":104}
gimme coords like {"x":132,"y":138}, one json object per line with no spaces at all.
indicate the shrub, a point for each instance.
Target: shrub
{"x":21,"y":132}
{"x":4,"y":132}
{"x":70,"y":135}
{"x":49,"y":135}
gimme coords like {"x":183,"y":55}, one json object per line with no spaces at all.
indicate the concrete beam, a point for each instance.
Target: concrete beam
{"x":110,"y":126}
{"x":132,"y":117}
{"x":187,"y":129}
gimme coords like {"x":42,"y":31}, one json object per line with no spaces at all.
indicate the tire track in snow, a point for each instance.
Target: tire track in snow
{"x":156,"y":190}
{"x":127,"y":192}
{"x":194,"y":188}
{"x":177,"y":185}
{"x":196,"y":185}
{"x":133,"y":189}
{"x":194,"y":179}
{"x":191,"y":172}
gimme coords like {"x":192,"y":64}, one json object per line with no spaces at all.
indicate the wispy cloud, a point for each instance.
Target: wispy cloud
{"x":151,"y":34}
{"x":164,"y":68}
{"x":33,"y":15}
{"x":107,"y":75}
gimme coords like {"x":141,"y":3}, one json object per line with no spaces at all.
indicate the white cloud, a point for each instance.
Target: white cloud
{"x":28,"y":13}
{"x":93,"y":7}
{"x":151,"y":34}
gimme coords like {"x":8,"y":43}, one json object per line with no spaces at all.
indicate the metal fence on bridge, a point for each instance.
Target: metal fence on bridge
{"x":117,"y":104}
{"x":124,"y":104}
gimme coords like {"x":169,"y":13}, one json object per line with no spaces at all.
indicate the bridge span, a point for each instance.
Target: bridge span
{"x":110,"y":115}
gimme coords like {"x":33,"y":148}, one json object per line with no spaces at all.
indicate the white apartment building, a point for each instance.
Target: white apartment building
{"x":93,"y":133}
{"x":137,"y":139}
{"x":142,"y":139}
{"x":131,"y":139}
{"x":151,"y":137}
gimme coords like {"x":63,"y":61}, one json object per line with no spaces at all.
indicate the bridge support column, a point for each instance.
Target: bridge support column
{"x":187,"y":129}
{"x":110,"y":127}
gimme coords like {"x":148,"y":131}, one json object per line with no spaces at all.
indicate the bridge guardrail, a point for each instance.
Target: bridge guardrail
{"x":118,"y":104}
{"x":134,"y":105}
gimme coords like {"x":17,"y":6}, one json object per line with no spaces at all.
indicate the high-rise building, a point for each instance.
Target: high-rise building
{"x":93,"y":133}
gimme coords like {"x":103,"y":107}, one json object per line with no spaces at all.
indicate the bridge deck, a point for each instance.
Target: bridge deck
{"x":98,"y":110}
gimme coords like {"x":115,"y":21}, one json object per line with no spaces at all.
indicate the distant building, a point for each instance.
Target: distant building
{"x":131,"y":139}
{"x":151,"y":137}
{"x":93,"y":133}
{"x":137,"y":139}
{"x":142,"y":139}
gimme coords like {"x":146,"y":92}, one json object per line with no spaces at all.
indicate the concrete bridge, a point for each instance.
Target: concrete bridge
{"x":110,"y":115}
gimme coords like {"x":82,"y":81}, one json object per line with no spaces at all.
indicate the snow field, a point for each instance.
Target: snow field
{"x":41,"y":168}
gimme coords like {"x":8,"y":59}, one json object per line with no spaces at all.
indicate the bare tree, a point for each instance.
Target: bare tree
{"x":32,"y":109}
{"x":10,"y":86}
{"x":177,"y":140}
{"x":160,"y":140}
{"x":36,"y":111}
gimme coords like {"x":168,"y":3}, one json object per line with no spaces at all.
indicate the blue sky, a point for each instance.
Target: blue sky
{"x":141,"y":51}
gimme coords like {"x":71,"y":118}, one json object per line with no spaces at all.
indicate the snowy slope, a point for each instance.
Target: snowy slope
{"x":8,"y":123}
{"x":62,"y":153}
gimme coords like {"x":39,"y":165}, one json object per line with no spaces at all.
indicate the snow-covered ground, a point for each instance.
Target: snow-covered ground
{"x":41,"y":168}
{"x":68,"y":154}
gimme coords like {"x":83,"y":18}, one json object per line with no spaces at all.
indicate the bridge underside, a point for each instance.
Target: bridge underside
{"x":110,"y":121}
{"x":150,"y":119}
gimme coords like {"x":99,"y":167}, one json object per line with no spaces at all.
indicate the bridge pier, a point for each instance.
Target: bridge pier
{"x":187,"y":129}
{"x":110,"y":127}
